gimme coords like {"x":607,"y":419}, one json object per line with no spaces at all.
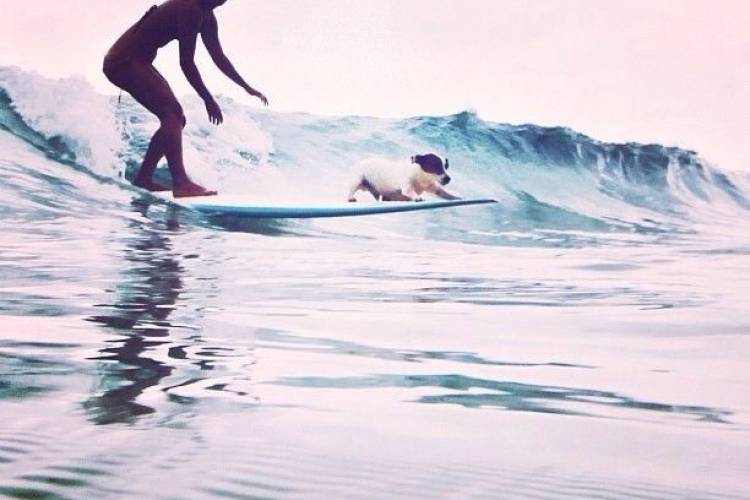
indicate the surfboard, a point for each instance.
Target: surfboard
{"x":215,"y":206}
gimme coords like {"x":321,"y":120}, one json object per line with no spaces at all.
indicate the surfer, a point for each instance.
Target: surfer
{"x":128,"y":64}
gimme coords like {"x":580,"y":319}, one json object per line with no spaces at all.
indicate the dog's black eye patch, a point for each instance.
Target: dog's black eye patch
{"x":430,"y":163}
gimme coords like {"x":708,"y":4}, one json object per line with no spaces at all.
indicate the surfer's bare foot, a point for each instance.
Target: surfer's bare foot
{"x":150,"y":185}
{"x":190,"y":188}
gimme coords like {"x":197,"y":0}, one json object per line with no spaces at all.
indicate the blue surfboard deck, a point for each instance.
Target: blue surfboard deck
{"x":218,"y":207}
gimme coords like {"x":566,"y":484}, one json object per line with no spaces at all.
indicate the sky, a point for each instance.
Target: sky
{"x":674,"y":72}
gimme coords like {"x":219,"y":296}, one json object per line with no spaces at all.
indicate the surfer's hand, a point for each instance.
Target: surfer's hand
{"x":259,"y":95}
{"x":214,"y":112}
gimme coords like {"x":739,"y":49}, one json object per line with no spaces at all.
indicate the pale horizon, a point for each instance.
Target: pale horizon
{"x":670,"y":72}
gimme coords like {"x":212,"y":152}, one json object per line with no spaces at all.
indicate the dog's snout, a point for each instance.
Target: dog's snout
{"x":445,"y":180}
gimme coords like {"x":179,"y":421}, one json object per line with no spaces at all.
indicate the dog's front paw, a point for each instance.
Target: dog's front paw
{"x":418,"y":200}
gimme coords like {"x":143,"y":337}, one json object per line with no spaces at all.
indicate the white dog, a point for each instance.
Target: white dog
{"x":393,"y":181}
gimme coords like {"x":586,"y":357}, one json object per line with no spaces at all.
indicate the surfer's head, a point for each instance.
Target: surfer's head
{"x":432,"y":164}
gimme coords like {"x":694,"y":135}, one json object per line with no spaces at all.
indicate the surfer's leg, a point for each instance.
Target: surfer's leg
{"x":149,"y":88}
{"x":154,"y":153}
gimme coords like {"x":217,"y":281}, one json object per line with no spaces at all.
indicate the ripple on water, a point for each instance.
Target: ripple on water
{"x":272,"y":339}
{"x":23,"y":451}
{"x":272,"y":472}
{"x":60,"y":481}
{"x":514,"y":396}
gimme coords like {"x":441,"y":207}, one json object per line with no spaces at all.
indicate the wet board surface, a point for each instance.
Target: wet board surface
{"x":236,"y":208}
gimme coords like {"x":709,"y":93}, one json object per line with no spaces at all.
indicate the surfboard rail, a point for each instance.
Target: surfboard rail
{"x":212,"y":207}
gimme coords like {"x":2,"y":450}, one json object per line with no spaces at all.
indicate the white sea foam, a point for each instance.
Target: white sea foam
{"x":68,"y":108}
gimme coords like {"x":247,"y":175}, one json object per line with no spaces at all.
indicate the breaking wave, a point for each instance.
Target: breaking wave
{"x":555,"y":186}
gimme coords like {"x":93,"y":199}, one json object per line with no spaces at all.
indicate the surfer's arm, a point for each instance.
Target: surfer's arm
{"x":210,"y":36}
{"x":188,"y":37}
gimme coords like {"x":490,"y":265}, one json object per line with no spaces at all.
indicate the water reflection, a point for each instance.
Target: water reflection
{"x":144,"y":300}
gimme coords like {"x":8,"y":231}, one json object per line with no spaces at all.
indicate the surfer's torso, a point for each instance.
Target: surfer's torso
{"x":159,"y":26}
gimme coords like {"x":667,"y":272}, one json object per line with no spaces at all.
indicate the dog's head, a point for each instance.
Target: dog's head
{"x":433,"y":165}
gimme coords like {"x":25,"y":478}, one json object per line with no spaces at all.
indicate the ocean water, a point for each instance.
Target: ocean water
{"x":587,"y":337}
